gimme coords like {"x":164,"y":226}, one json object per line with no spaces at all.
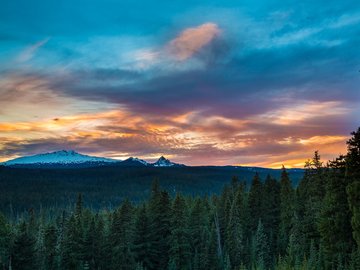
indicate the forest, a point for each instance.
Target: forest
{"x":267,"y":224}
{"x":56,"y":189}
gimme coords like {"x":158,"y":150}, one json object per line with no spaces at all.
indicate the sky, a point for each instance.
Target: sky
{"x":258,"y":83}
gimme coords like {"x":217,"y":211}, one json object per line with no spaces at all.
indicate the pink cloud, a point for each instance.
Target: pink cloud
{"x":191,"y":40}
{"x":29,"y":52}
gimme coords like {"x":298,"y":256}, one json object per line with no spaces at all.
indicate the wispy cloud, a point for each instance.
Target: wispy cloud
{"x":30,"y":51}
{"x":191,"y":40}
{"x":184,"y":46}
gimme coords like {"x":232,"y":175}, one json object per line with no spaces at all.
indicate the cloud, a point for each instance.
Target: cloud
{"x":191,"y":138}
{"x":29,"y":52}
{"x":191,"y":40}
{"x":263,"y":89}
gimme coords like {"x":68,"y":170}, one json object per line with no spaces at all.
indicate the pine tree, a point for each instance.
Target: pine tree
{"x":296,"y":246}
{"x":199,"y":234}
{"x":5,"y":241}
{"x":91,"y":245}
{"x":103,"y":254}
{"x":141,"y":239}
{"x":23,"y":255}
{"x":353,"y":156}
{"x":255,"y":202}
{"x":122,"y":235}
{"x":311,"y":192}
{"x":271,"y":212}
{"x":71,"y":245}
{"x":227,"y":263}
{"x":235,"y":242}
{"x":286,"y":210}
{"x":159,"y":218}
{"x":213,"y":259}
{"x":353,"y":191}
{"x":50,"y":240}
{"x":223,"y":213}
{"x":353,"y":177}
{"x":79,"y":206}
{"x":334,"y":222}
{"x":179,"y":238}
{"x":355,"y":260}
{"x":261,"y":248}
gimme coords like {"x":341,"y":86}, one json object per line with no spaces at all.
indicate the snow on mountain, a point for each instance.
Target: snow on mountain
{"x":58,"y":157}
{"x":70,"y":158}
{"x":131,"y":161}
{"x":164,"y":162}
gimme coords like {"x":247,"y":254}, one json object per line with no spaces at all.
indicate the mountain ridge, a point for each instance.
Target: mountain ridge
{"x":71,"y":158}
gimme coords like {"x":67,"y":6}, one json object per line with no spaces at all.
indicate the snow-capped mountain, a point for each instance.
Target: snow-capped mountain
{"x":63,"y":157}
{"x":132,"y":161}
{"x":72,"y":159}
{"x":164,"y":162}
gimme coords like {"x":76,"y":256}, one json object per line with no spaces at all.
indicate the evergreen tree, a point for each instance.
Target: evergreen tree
{"x":235,"y":240}
{"x":212,"y":259}
{"x":72,"y":246}
{"x":91,"y":246}
{"x":122,"y":235}
{"x":334,"y":222}
{"x":311,"y":192}
{"x":261,"y":248}
{"x":159,"y":218}
{"x":50,"y":240}
{"x":79,"y":206}
{"x":223,"y":213}
{"x":23,"y":254}
{"x":255,"y":202}
{"x":271,"y":212}
{"x":199,"y":234}
{"x":353,"y":156}
{"x":296,"y":247}
{"x":5,"y":241}
{"x":353,"y":177}
{"x":179,"y":238}
{"x":353,"y":191}
{"x":286,"y":210}
{"x":141,"y":240}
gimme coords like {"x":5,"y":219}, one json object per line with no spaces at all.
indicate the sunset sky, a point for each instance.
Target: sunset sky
{"x":202,"y":82}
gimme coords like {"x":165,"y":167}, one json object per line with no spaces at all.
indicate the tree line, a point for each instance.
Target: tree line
{"x":267,"y":225}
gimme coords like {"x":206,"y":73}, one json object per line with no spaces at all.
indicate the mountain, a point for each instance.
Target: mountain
{"x":163,"y":162}
{"x":134,"y":162}
{"x":72,"y":159}
{"x":59,"y":158}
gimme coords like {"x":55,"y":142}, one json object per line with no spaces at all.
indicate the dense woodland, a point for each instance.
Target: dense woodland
{"x":268,"y":224}
{"x":102,"y":187}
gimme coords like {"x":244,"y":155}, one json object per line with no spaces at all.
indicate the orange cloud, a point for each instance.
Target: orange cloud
{"x":201,"y":138}
{"x":192,"y":40}
{"x":303,"y":111}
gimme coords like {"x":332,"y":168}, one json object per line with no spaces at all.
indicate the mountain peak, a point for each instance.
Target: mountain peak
{"x":71,"y":158}
{"x":135,"y":161}
{"x":64,"y":157}
{"x":164,"y":162}
{"x":64,"y":152}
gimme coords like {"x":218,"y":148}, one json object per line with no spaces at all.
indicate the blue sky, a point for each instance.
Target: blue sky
{"x":213,"y":82}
